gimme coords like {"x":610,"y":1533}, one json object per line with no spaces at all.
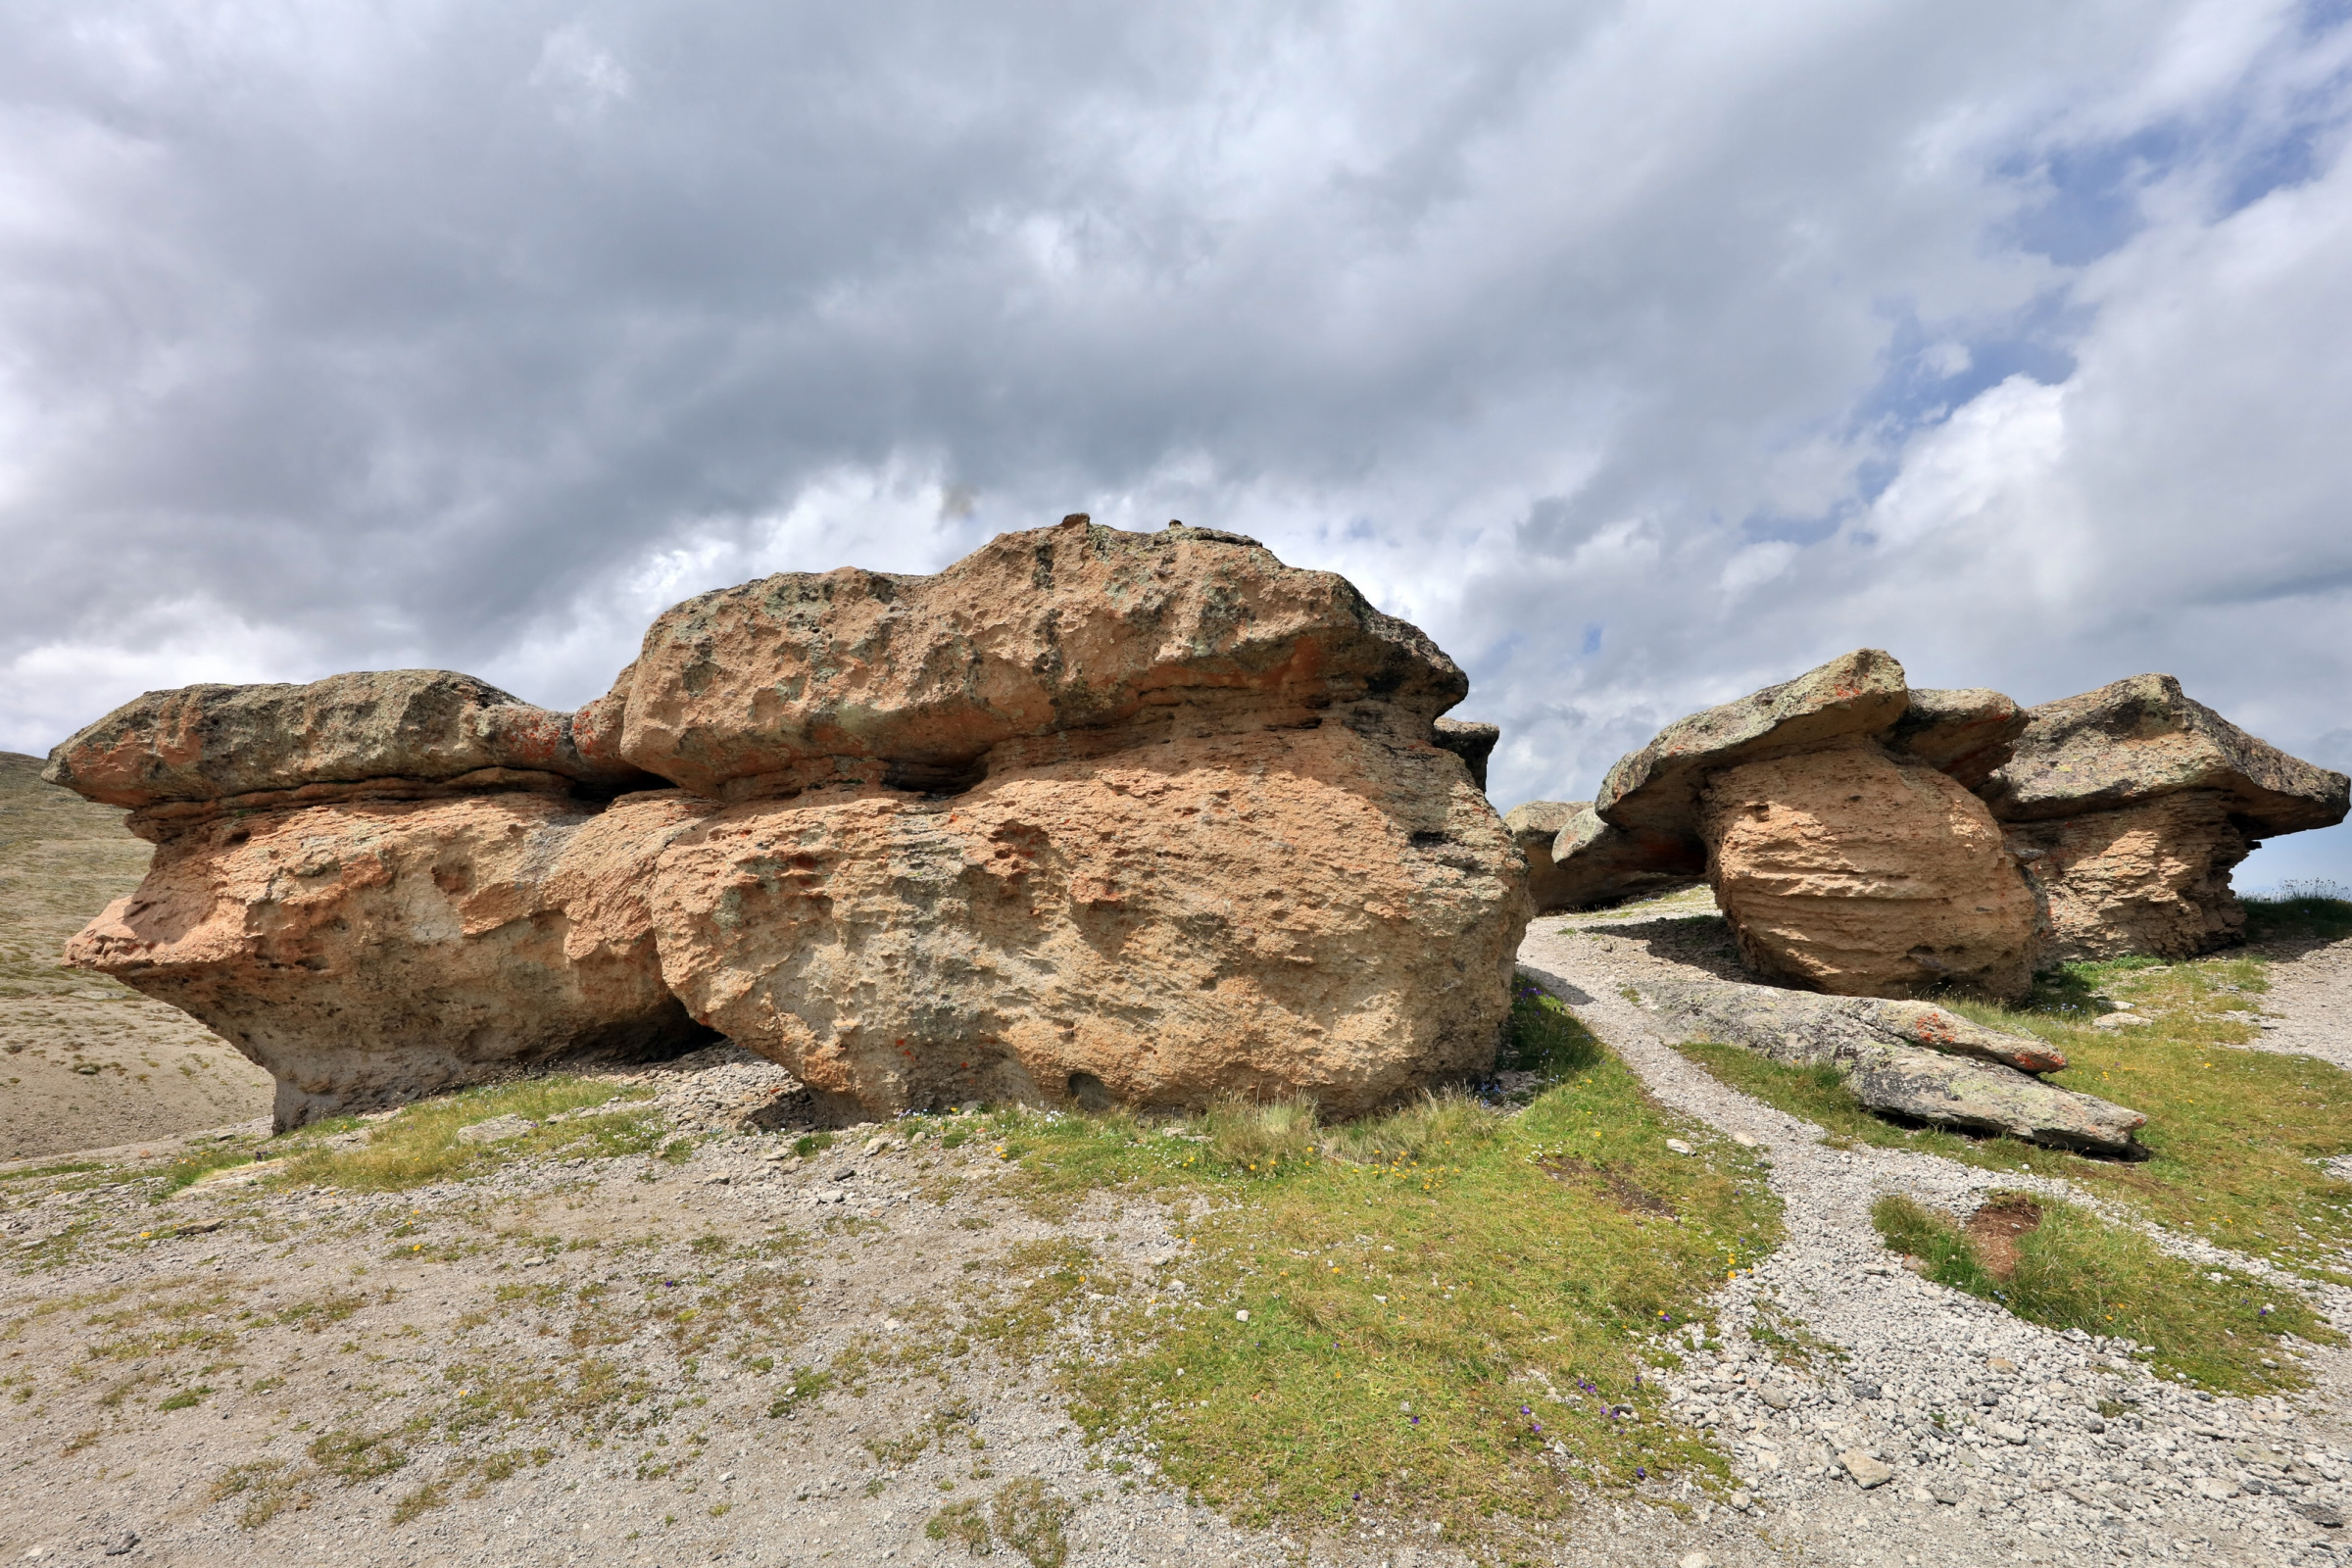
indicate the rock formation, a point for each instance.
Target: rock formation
{"x":1087,"y":815}
{"x":1857,"y":871}
{"x":2129,"y":805}
{"x":1864,"y":839}
{"x":368,"y":951}
{"x":1472,"y":742}
{"x":1842,"y":862}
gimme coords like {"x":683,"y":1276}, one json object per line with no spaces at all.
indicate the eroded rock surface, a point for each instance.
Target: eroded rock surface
{"x":413,"y":726}
{"x":1854,"y":872}
{"x":1060,"y":635}
{"x":1658,"y":787}
{"x":1967,"y":734}
{"x":1255,"y":914}
{"x":1471,"y":741}
{"x":2151,"y":878}
{"x":2142,"y":738}
{"x":1904,"y":1059}
{"x":1090,"y":816}
{"x":368,"y":952}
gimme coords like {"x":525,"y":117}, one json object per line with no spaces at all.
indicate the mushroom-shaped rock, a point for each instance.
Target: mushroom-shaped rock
{"x":1658,"y":787}
{"x":2129,"y":805}
{"x":1857,"y":872}
{"x":1023,"y":652}
{"x":1471,"y":741}
{"x":417,"y":726}
{"x":1966,"y":734}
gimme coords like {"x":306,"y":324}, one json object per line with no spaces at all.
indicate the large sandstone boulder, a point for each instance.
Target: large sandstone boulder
{"x":1089,"y":813}
{"x":416,"y":726}
{"x":1856,"y":872}
{"x":368,"y":952}
{"x":1071,"y":636}
{"x":2129,"y":806}
{"x":1254,"y":913}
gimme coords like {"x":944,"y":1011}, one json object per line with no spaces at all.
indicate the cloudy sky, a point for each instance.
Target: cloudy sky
{"x":1644,"y":353}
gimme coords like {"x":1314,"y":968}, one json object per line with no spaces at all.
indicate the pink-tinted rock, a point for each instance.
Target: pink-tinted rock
{"x":1855,"y":872}
{"x":368,"y":951}
{"x":805,"y":678}
{"x":2150,"y":879}
{"x":420,"y":726}
{"x":1261,"y":913}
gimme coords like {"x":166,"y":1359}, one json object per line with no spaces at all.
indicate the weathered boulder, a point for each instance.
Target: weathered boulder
{"x":1855,"y":872}
{"x":2150,"y":878}
{"x":2142,"y":738}
{"x":1658,"y":787}
{"x":1532,"y":827}
{"x":2129,"y":806}
{"x":1908,"y":1060}
{"x":1088,"y":814}
{"x":1259,"y":912}
{"x":415,"y":726}
{"x":1471,"y":741}
{"x":368,"y":952}
{"x":1967,"y":734}
{"x":1061,"y":636}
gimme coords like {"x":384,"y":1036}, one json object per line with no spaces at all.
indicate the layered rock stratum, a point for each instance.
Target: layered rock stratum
{"x":1087,"y":817}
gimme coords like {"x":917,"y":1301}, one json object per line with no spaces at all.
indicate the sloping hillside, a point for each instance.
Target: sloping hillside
{"x":88,"y":1063}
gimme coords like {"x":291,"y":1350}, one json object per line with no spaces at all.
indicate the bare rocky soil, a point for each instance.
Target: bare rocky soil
{"x":623,"y":1360}
{"x":85,"y":1061}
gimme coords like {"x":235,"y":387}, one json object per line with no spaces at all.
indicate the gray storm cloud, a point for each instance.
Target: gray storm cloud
{"x":1644,"y":353}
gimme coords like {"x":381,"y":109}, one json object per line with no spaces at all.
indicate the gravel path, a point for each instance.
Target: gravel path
{"x":2035,"y":1474}
{"x":2309,"y":1006}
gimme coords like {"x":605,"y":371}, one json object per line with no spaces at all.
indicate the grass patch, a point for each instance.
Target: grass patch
{"x":1447,"y":1308}
{"x":2235,"y":1138}
{"x":2066,"y":1268}
{"x":420,"y":1144}
{"x":1026,"y":1516}
{"x":2313,"y":911}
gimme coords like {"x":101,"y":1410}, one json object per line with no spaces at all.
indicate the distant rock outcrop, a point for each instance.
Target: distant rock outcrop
{"x":2129,"y":805}
{"x":1088,"y":814}
{"x":1866,"y":839}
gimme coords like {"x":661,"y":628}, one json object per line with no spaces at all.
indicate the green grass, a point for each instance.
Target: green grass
{"x":421,"y":1144}
{"x":1435,"y":1299}
{"x":2209,"y":1327}
{"x":2314,"y":910}
{"x":2234,"y":1137}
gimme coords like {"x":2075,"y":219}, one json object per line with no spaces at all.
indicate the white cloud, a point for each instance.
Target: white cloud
{"x":1646,"y":353}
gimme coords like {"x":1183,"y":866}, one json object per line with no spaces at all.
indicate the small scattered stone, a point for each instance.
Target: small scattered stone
{"x":1678,"y":1145}
{"x":121,"y":1543}
{"x":1779,"y":1397}
{"x":1947,"y":1493}
{"x":2326,"y":1515}
{"x":1694,"y":1559}
{"x":1864,"y":1389}
{"x":2121,"y":1020}
{"x":1241,"y":1317}
{"x":2000,"y":1363}
{"x":2218,"y":1488}
{"x":497,"y":1130}
{"x":1866,"y":1471}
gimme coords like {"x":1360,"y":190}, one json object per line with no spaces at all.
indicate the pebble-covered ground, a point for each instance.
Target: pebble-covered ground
{"x":541,"y":1366}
